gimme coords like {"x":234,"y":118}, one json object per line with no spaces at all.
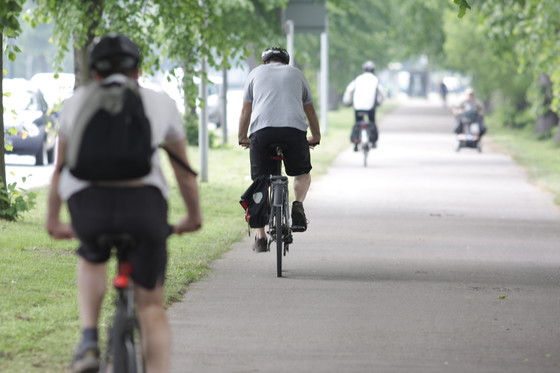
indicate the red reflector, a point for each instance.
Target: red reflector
{"x":120,"y":281}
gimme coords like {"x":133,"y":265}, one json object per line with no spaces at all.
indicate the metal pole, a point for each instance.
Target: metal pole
{"x":223,"y":111}
{"x":290,"y":40}
{"x":324,"y":86}
{"x":203,"y":124}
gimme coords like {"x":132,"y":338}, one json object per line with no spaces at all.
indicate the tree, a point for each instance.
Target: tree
{"x":9,"y":28}
{"x":182,"y":32}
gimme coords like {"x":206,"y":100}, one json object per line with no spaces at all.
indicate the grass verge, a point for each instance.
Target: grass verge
{"x":541,"y":158}
{"x":38,"y":308}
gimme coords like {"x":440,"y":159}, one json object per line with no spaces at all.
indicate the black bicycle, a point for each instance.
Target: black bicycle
{"x":279,"y":228}
{"x":123,"y":351}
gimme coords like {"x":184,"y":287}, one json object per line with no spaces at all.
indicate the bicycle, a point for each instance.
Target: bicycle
{"x":279,"y":217}
{"x":362,"y":138}
{"x":123,"y":350}
{"x":279,"y":228}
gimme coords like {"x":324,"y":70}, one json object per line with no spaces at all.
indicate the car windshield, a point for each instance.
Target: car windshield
{"x":20,"y":100}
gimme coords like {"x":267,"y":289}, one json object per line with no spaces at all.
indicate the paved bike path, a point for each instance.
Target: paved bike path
{"x":426,"y":261}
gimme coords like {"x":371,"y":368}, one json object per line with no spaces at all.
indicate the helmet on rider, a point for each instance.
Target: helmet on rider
{"x":114,"y":53}
{"x":275,"y":54}
{"x":368,"y":66}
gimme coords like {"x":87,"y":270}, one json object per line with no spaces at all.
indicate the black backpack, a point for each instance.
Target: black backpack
{"x":112,"y":137}
{"x":255,"y":202}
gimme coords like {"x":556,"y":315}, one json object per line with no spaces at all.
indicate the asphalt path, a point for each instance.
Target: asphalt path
{"x":428,"y":260}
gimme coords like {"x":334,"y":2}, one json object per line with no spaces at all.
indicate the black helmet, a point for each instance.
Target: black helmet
{"x":114,"y":52}
{"x":368,"y":66}
{"x":275,"y":53}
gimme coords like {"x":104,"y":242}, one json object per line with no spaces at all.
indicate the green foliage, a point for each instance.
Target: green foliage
{"x":191,"y":128}
{"x":529,"y":31}
{"x":15,"y":200}
{"x":511,"y":117}
{"x":463,"y":6}
{"x":171,"y":33}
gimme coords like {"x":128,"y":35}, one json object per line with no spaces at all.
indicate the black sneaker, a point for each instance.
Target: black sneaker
{"x":86,"y":359}
{"x":299,"y":221}
{"x":260,"y":245}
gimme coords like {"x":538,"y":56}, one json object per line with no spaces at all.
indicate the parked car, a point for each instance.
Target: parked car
{"x":55,"y":87}
{"x":30,"y":127}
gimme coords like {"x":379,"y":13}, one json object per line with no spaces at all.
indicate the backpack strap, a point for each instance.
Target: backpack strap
{"x":179,"y":161}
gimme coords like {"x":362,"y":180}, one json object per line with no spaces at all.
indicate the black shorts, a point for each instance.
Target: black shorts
{"x":297,"y":160}
{"x":138,"y":211}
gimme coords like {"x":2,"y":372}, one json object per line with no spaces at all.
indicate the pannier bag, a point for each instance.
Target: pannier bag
{"x":255,"y":202}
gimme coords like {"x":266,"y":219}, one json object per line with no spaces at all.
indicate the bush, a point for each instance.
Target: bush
{"x":15,"y":200}
{"x":191,"y":128}
{"x":509,"y":116}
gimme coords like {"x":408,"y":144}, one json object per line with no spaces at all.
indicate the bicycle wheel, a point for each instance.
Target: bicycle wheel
{"x":125,"y":336}
{"x":365,"y":145}
{"x":279,"y":241}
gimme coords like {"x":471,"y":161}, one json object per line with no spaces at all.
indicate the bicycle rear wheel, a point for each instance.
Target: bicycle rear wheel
{"x":279,"y":241}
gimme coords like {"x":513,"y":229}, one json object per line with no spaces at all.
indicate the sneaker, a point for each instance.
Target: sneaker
{"x":299,"y":221}
{"x":86,"y":359}
{"x":260,"y":245}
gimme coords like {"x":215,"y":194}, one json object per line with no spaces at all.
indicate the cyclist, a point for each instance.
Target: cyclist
{"x":276,"y":100}
{"x":137,"y":207}
{"x":364,"y":93}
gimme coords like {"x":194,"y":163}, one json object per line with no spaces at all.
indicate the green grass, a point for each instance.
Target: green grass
{"x":541,"y":158}
{"x":38,"y":308}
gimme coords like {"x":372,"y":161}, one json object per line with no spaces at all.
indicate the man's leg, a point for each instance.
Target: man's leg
{"x":301,"y":186}
{"x":156,"y":336}
{"x":92,"y":284}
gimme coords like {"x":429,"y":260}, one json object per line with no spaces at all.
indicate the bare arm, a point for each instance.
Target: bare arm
{"x":244,"y":121}
{"x":53,"y":225}
{"x":311,"y":115}
{"x":188,"y":188}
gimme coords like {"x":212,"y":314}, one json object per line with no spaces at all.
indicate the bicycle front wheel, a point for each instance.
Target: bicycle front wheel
{"x":279,"y":240}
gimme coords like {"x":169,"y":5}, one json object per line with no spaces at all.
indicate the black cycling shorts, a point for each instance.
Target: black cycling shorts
{"x":297,"y":160}
{"x":138,"y":211}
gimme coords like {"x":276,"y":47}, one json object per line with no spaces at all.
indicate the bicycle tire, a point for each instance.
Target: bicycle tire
{"x":279,"y":241}
{"x":126,"y":357}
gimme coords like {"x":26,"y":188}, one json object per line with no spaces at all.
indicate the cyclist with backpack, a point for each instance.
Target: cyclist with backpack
{"x":276,"y":101}
{"x":364,"y":93}
{"x":100,"y":202}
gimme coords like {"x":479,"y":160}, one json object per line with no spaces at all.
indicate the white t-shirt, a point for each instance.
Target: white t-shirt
{"x":166,"y":125}
{"x":364,"y":89}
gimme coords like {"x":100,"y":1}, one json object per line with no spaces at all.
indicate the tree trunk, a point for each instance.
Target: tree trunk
{"x":547,"y":121}
{"x":3,"y":182}
{"x":81,"y":68}
{"x":81,"y":58}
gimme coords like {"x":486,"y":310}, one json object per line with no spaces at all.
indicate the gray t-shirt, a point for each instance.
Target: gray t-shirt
{"x":278,"y":93}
